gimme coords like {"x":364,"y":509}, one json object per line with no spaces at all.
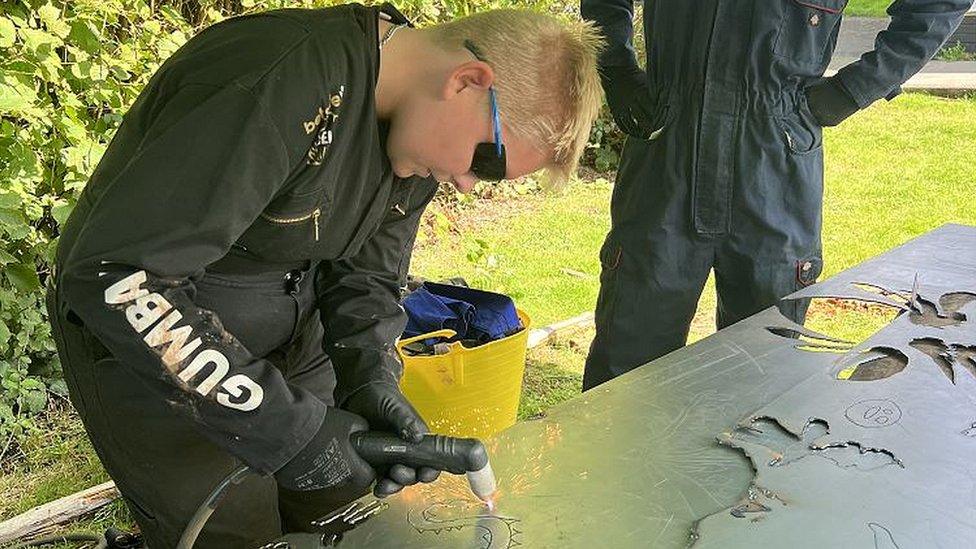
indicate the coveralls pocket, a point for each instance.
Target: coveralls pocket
{"x":806,"y":29}
{"x":611,"y":255}
{"x":800,"y":130}
{"x":288,"y":228}
{"x":662,"y":119}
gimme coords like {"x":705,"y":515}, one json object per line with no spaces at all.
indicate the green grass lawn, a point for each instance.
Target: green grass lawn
{"x":57,"y":460}
{"x":868,"y":8}
{"x":894,"y":171}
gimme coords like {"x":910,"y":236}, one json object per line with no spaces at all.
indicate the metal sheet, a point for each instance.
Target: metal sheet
{"x":844,"y":463}
{"x":744,"y":439}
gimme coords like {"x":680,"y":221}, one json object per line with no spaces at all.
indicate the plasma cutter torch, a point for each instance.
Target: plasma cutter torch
{"x":455,"y":455}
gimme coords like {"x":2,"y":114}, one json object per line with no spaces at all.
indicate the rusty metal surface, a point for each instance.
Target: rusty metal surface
{"x":749,"y":438}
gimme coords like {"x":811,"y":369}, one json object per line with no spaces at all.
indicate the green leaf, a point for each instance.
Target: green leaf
{"x":32,"y":383}
{"x":23,"y":277}
{"x":39,"y":41}
{"x":8,"y":33}
{"x":9,"y":200}
{"x":15,"y":226}
{"x":81,"y":69}
{"x":72,"y":129}
{"x":34,"y":401}
{"x":171,"y":42}
{"x":17,"y":14}
{"x":51,"y":17}
{"x":61,"y":211}
{"x":153,"y":27}
{"x":6,"y":412}
{"x":4,"y":335}
{"x":23,"y":161}
{"x":48,"y":13}
{"x":50,"y":65}
{"x":58,"y":387}
{"x":11,"y":219}
{"x":15,"y":97}
{"x":172,"y":15}
{"x":84,"y":37}
{"x":6,"y":259}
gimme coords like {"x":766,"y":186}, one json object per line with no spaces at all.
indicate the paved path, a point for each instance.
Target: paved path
{"x":944,"y":77}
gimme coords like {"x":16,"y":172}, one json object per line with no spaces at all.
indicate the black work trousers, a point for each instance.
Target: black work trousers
{"x":162,"y":466}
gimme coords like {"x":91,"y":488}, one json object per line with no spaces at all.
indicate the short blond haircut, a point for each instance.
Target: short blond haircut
{"x":546,"y":78}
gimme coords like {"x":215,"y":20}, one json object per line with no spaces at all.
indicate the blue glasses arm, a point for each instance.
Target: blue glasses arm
{"x":496,"y":120}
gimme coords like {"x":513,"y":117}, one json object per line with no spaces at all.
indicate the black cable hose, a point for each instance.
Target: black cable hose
{"x":63,"y":538}
{"x":190,"y":534}
{"x":208,"y":506}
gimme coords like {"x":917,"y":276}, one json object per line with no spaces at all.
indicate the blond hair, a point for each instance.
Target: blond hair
{"x":546,"y":78}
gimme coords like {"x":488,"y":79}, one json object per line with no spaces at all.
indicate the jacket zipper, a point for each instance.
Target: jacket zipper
{"x":314,"y":216}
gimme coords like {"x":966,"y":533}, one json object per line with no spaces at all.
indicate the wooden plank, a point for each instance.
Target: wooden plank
{"x":43,"y":518}
{"x":539,"y":336}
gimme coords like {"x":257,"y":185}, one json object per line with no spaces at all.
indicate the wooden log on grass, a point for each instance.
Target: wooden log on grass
{"x":44,"y":518}
{"x":539,"y":336}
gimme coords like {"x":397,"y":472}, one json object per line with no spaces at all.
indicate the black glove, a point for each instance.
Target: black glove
{"x":386,"y":409}
{"x":829,"y":102}
{"x":329,"y":460}
{"x":629,"y":99}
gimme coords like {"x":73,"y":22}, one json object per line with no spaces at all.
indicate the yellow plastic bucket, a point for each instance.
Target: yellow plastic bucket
{"x":467,"y":392}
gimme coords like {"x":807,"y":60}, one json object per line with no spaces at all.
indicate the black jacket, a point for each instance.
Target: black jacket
{"x":255,"y":146}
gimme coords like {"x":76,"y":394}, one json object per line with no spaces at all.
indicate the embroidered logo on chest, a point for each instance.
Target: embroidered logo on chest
{"x":322,"y":126}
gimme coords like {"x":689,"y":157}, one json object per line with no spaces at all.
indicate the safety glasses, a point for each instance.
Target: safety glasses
{"x":489,"y":162}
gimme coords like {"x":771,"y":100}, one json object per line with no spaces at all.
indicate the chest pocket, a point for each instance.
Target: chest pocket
{"x":289,"y":227}
{"x":807,"y":28}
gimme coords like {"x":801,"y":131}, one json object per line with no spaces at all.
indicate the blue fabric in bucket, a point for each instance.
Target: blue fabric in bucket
{"x":427,"y":313}
{"x":491,"y":316}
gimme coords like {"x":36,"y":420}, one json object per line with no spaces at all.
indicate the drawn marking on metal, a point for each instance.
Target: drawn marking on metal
{"x":882,"y":537}
{"x":874,"y":413}
{"x":497,"y":532}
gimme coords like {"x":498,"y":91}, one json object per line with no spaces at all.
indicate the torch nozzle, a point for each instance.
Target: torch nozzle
{"x":483,"y":483}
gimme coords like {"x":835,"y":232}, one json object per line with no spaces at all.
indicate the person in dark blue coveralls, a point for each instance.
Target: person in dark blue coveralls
{"x":723,"y":166}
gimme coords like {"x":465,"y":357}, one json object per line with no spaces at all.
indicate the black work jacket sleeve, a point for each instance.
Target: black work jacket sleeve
{"x":917,"y":31}
{"x":210,"y":160}
{"x":359,"y":297}
{"x":615,"y":19}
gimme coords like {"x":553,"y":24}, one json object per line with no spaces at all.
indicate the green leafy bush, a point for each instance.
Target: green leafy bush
{"x":68,"y":72}
{"x":955,"y":52}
